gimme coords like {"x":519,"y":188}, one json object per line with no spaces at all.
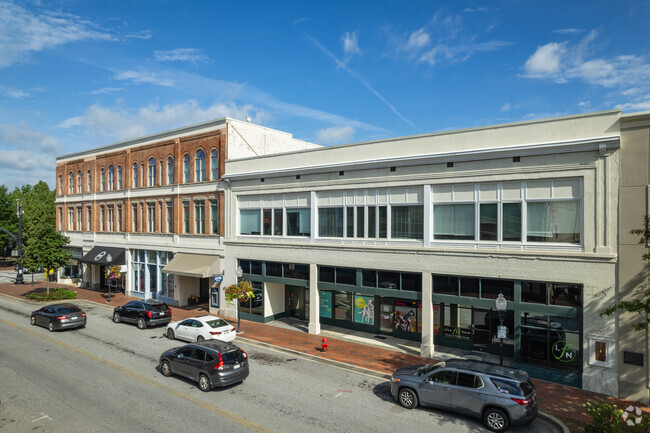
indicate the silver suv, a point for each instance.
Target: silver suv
{"x":500,"y":395}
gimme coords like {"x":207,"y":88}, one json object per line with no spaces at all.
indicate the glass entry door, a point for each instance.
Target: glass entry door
{"x":481,"y":337}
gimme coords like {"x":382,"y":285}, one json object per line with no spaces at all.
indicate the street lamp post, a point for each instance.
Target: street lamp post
{"x":19,"y":275}
{"x":240,"y":272}
{"x":501,"y":304}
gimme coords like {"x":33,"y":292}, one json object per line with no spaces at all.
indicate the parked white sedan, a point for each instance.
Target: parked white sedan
{"x":201,"y":328}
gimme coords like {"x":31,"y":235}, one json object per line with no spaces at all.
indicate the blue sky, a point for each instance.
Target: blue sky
{"x":80,"y":74}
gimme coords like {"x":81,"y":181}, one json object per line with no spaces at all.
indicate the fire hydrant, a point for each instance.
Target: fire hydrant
{"x":324,"y":345}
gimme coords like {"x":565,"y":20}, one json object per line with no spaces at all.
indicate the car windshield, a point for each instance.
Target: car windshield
{"x":514,"y":388}
{"x":217,"y":323}
{"x":426,"y":369}
{"x":158,"y":307}
{"x":68,"y":310}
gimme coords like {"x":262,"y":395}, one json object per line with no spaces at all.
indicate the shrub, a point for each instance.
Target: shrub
{"x":606,"y":418}
{"x":55,"y":295}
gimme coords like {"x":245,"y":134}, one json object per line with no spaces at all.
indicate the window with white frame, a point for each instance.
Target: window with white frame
{"x":170,"y":170}
{"x":79,"y":218}
{"x":199,"y":217}
{"x":214,"y":217}
{"x":89,"y":218}
{"x":60,"y":225}
{"x":111,"y":178}
{"x":118,"y":212}
{"x":151,"y":217}
{"x":110,"y":218}
{"x":60,"y":184}
{"x":495,"y":211}
{"x":161,"y":175}
{"x":214,"y":164}
{"x":281,"y":215}
{"x":119,"y":177}
{"x":186,"y":217}
{"x":102,"y":180}
{"x":152,"y":171}
{"x":71,"y":183}
{"x":135,"y":175}
{"x":170,"y":217}
{"x":102,"y":214}
{"x":186,"y":168}
{"x":70,"y":218}
{"x":134,"y":218}
{"x":90,"y":181}
{"x":199,"y":166}
{"x":80,"y":182}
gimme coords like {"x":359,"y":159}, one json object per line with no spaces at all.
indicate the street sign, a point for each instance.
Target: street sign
{"x":502,"y":331}
{"x":217,"y":278}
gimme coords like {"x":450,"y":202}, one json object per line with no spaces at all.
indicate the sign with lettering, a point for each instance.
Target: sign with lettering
{"x":457,"y":332}
{"x":564,"y":352}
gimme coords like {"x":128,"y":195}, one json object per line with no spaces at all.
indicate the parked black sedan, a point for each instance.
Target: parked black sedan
{"x":59,"y":316}
{"x":143,"y":313}
{"x":210,"y":363}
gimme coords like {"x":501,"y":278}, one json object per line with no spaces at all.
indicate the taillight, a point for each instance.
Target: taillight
{"x":83,"y":314}
{"x":170,"y":311}
{"x":215,"y":333}
{"x":521,"y":401}
{"x":61,"y":317}
{"x":219,"y":365}
{"x":244,"y":353}
{"x":149,"y":314}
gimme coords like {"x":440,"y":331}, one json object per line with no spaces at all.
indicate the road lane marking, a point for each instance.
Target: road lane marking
{"x":43,"y":417}
{"x":236,"y":418}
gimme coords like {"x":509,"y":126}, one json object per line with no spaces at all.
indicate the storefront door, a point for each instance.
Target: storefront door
{"x":481,"y":337}
{"x":294,"y":301}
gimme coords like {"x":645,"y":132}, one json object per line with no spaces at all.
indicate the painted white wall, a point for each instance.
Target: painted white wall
{"x":273,"y":298}
{"x":250,"y":140}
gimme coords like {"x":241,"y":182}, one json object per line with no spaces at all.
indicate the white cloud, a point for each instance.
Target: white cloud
{"x":350,"y":44}
{"x":20,"y":136}
{"x":110,"y":124}
{"x":569,"y":31}
{"x":140,"y":77}
{"x":143,"y":34}
{"x":418,"y":39}
{"x":191,"y":55}
{"x":546,"y":61}
{"x":13,"y":93}
{"x":627,"y":76}
{"x":505,"y":106}
{"x":107,"y":90}
{"x":23,"y":32}
{"x":335,"y":135}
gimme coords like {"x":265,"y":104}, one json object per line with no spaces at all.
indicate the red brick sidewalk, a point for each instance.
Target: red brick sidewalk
{"x":565,"y":403}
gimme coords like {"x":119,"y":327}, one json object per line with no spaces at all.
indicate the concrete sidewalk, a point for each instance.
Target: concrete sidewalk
{"x":560,"y":406}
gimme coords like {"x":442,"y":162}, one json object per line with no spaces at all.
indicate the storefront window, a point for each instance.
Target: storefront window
{"x":369,"y":278}
{"x":407,"y":222}
{"x":550,"y":340}
{"x":554,"y":221}
{"x":326,"y":274}
{"x":569,"y":295}
{"x":534,"y":292}
{"x":325,"y":304}
{"x":445,"y":285}
{"x":364,"y":309}
{"x":256,"y":304}
{"x":453,"y":221}
{"x":346,"y":276}
{"x":412,"y":282}
{"x":407,"y":316}
{"x":343,"y":306}
{"x":249,"y":220}
{"x":457,"y":321}
{"x":389,"y":280}
{"x":330,"y":222}
{"x":469,"y":287}
{"x":298,"y":222}
{"x":296,"y":271}
{"x":256,"y":267}
{"x":490,"y":289}
{"x":273,"y":269}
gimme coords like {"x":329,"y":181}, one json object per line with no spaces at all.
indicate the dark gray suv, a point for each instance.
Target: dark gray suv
{"x":502,"y":396}
{"x":210,"y":363}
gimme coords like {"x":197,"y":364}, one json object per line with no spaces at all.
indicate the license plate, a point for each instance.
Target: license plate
{"x":236,"y":366}
{"x":73,"y":318}
{"x":162,"y":314}
{"x":226,"y":332}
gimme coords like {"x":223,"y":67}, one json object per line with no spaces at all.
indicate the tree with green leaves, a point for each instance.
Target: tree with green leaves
{"x":8,"y":221}
{"x":45,"y":246}
{"x":641,"y":305}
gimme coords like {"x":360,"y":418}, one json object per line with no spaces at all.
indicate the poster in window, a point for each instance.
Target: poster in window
{"x":404,"y":317}
{"x":325,"y":304}
{"x":364,"y":310}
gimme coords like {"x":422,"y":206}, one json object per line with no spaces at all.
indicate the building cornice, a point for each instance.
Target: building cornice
{"x":600,"y":144}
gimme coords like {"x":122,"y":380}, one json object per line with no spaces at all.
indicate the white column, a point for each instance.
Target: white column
{"x":314,"y":300}
{"x":427,"y":348}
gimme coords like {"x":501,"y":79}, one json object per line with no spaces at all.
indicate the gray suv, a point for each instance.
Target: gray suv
{"x":502,"y":396}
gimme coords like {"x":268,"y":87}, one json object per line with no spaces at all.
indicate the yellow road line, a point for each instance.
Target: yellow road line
{"x":196,"y":401}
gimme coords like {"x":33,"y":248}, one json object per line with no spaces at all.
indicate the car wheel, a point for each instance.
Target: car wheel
{"x":200,"y":338}
{"x":408,"y":398}
{"x":170,"y":334}
{"x":166,"y":369}
{"x":32,"y":320}
{"x":204,"y":383}
{"x":141,"y":323}
{"x":50,"y":326}
{"x":117,"y":318}
{"x":495,"y":419}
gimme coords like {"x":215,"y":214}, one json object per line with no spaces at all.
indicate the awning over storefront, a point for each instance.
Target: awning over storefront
{"x":104,"y":256}
{"x":193,"y":265}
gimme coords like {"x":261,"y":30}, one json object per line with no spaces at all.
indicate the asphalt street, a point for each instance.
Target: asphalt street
{"x":105,"y":378}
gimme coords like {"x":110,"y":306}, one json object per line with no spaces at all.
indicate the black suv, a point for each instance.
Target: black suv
{"x":143,"y":313}
{"x":209,"y":363}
